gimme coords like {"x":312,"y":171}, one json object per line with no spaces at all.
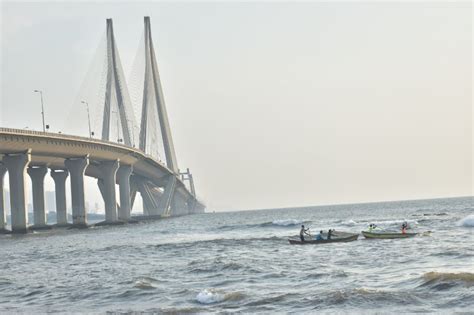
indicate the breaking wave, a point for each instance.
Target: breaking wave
{"x":434,"y":277}
{"x":467,"y":221}
{"x":145,"y":283}
{"x":210,"y":296}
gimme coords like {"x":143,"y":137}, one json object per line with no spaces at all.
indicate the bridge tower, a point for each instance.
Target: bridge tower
{"x":115,"y":92}
{"x":153,"y":96}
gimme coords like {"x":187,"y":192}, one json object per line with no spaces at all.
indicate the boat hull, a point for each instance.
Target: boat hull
{"x":344,"y":239}
{"x":387,"y":235}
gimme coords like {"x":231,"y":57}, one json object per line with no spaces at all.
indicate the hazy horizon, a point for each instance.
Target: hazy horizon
{"x":271,"y":105}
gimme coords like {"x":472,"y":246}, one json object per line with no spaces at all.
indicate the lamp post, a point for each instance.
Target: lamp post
{"x":42,"y":107}
{"x":88,"y":117}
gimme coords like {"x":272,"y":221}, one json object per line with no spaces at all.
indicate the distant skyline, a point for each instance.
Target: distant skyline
{"x":271,"y":104}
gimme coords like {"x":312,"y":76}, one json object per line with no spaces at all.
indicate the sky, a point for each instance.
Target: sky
{"x":271,"y":104}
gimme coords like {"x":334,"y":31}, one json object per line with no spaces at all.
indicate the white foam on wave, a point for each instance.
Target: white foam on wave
{"x":349,"y":223}
{"x":467,"y":221}
{"x":287,"y":222}
{"x":209,"y":296}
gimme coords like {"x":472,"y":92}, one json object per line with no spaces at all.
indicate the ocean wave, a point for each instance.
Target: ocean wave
{"x":467,"y":221}
{"x":145,"y":283}
{"x":216,"y":241}
{"x":287,"y":222}
{"x":363,"y":296}
{"x":219,"y":265}
{"x":349,"y":223}
{"x":211,"y":296}
{"x":456,"y":277}
{"x":141,"y":284}
{"x":4,"y":281}
{"x":274,"y":223}
{"x":171,"y":311}
{"x":164,"y":311}
{"x":271,"y":299}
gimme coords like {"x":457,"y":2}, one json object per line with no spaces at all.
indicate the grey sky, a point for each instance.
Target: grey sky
{"x":273,"y":104}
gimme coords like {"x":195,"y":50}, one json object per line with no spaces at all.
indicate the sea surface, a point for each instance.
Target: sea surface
{"x":242,"y":262}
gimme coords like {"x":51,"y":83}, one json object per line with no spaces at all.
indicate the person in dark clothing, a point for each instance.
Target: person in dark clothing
{"x":329,"y":234}
{"x":404,"y":227}
{"x":303,"y":231}
{"x":320,"y":237}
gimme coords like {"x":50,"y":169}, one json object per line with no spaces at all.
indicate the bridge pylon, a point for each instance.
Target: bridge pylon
{"x":153,"y":97}
{"x":115,"y":93}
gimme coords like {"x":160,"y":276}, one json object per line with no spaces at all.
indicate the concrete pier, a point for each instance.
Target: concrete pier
{"x":123,"y":177}
{"x":77,"y":167}
{"x":37,"y":179}
{"x":167,"y":197}
{"x":16,"y":165}
{"x":59,"y":177}
{"x":109,"y":171}
{"x":3,"y":215}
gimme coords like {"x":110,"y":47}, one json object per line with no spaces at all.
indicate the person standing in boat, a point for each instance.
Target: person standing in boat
{"x":329,"y":234}
{"x":303,"y":231}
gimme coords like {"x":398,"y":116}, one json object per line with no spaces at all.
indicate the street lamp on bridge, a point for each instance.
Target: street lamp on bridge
{"x":88,"y":117}
{"x":42,"y":108}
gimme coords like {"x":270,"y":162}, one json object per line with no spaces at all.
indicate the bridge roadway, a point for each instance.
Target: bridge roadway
{"x":21,"y":151}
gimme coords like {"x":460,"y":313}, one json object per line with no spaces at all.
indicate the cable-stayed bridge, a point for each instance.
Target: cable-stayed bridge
{"x":165,"y":190}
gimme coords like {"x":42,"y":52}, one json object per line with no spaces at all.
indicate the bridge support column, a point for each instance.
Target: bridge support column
{"x":133,"y":195}
{"x":123,"y":176}
{"x":37,"y":179}
{"x":3,"y":215}
{"x":166,"y":201}
{"x":178,"y":205}
{"x":109,"y":172}
{"x":59,"y":177}
{"x":16,"y":165}
{"x":150,"y":197}
{"x":191,"y":204}
{"x":77,"y":168}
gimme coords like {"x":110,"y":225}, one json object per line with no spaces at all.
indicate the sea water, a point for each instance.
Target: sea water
{"x":242,"y":262}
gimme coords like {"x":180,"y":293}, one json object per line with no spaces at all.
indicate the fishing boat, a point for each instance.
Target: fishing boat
{"x":387,"y":235}
{"x":337,"y":237}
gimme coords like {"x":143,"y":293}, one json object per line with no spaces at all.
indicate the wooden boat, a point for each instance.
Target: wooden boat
{"x":387,"y":235}
{"x":337,"y":237}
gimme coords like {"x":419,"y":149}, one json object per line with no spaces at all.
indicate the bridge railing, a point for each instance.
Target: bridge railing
{"x":61,"y":136}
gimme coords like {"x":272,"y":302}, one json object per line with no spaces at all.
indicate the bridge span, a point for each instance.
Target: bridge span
{"x":22,"y":152}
